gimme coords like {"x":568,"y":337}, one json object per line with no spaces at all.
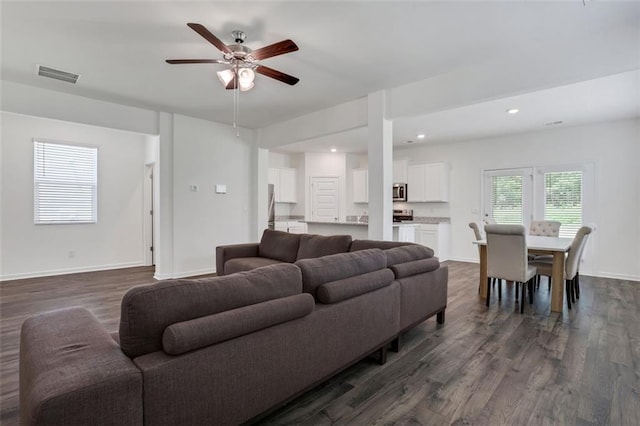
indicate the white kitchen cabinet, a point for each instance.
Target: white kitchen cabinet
{"x":284,"y":184}
{"x":360,"y":186}
{"x":407,"y":233}
{"x":297,"y":228}
{"x":400,"y":171}
{"x":293,"y":227}
{"x":436,"y":237}
{"x":428,"y":182}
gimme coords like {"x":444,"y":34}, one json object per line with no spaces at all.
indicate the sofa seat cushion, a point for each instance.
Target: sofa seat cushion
{"x":415,"y":267}
{"x":72,"y":370}
{"x":316,"y":272}
{"x":147,"y":310}
{"x":337,"y":291}
{"x":319,"y":245}
{"x":240,"y":264}
{"x":407,"y":253}
{"x":279,"y":245}
{"x":204,"y":331}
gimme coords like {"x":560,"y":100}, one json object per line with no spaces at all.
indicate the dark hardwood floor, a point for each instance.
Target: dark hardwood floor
{"x":484,"y":366}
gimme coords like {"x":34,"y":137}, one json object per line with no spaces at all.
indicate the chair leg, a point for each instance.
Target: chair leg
{"x":517,"y":287}
{"x":577,"y":284}
{"x":530,"y":285}
{"x":549,"y":282}
{"x":573,"y":290}
{"x":488,"y":290}
{"x":499,"y":289}
{"x":567,"y":284}
{"x":522,"y":298}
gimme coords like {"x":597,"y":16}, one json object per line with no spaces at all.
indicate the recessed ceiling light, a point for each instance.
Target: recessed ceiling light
{"x":513,"y":110}
{"x":421,"y":136}
{"x":333,"y":150}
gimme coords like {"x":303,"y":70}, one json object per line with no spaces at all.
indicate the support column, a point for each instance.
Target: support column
{"x":261,"y":168}
{"x":380,"y":133}
{"x":163,"y":244}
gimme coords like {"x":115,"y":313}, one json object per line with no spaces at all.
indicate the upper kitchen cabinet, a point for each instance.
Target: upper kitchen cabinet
{"x":360,"y":186}
{"x":400,"y":171}
{"x":428,"y":182}
{"x":284,"y":184}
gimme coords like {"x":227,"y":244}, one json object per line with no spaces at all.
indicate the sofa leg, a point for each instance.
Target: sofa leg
{"x":440,"y":317}
{"x":382,"y":352}
{"x":395,"y":344}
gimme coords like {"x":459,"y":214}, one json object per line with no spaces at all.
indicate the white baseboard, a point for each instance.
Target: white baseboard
{"x":193,"y":273}
{"x":54,"y":272}
{"x":611,"y":275}
{"x":464,"y":259}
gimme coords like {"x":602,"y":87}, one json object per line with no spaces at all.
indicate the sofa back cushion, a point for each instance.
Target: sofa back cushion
{"x":357,"y":245}
{"x":197,"y":333}
{"x":337,"y":291}
{"x":407,"y":253}
{"x":415,"y":267}
{"x":279,"y":245}
{"x":147,"y":310}
{"x":319,"y":245}
{"x":318,"y":271}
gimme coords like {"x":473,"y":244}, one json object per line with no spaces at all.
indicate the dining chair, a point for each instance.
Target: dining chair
{"x":545,"y":228}
{"x":507,"y":259}
{"x":571,"y":265}
{"x":475,"y":226}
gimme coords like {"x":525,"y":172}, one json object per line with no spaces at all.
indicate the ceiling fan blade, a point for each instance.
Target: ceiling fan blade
{"x":196,"y":61}
{"x":278,"y":75}
{"x":200,"y":29}
{"x":275,"y":49}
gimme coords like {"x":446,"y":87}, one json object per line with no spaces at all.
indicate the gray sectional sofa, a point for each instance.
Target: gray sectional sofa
{"x":227,"y":349}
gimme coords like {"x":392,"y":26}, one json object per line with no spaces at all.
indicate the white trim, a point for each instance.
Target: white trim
{"x":194,"y":273}
{"x":612,"y":275}
{"x":464,"y":259}
{"x":54,"y":272}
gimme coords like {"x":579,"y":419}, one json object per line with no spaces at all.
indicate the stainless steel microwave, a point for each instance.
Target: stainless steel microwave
{"x":399,"y":192}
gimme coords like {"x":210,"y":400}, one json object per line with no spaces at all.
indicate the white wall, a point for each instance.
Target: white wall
{"x":613,"y":148}
{"x":117,"y":240}
{"x":205,"y":154}
{"x":354,"y":161}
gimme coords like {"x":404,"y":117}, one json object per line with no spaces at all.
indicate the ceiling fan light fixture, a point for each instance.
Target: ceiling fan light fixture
{"x":245,"y":78}
{"x":225,"y":77}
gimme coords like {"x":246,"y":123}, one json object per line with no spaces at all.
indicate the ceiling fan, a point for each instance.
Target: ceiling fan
{"x":243,"y":61}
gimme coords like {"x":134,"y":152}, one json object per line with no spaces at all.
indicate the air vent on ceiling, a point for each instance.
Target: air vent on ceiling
{"x":57,"y":74}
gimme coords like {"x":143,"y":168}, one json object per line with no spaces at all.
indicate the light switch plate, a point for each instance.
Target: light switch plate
{"x":221,"y":189}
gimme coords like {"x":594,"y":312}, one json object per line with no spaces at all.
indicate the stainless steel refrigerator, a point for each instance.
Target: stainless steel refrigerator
{"x":272,"y":207}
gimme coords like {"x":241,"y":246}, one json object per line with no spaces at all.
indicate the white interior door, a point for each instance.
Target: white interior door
{"x":325,"y":199}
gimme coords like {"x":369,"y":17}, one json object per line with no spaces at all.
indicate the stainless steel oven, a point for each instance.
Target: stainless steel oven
{"x":399,"y":192}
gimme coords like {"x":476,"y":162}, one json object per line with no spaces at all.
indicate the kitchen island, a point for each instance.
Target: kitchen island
{"x":360,"y":230}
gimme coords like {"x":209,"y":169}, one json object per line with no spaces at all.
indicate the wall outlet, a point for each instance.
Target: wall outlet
{"x":193,"y":188}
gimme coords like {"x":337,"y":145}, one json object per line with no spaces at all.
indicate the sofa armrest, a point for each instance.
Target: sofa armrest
{"x":224,"y":253}
{"x":72,"y":371}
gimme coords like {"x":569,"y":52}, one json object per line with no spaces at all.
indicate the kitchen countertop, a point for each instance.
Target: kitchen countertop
{"x":395,"y":224}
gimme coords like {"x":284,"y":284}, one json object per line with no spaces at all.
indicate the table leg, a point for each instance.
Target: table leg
{"x":557,"y":282}
{"x":483,"y":272}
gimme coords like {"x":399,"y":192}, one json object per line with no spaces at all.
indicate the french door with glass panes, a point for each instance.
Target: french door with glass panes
{"x":561,"y":193}
{"x":508,"y":195}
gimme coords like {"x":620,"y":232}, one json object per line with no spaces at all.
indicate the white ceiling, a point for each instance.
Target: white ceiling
{"x":347,"y":50}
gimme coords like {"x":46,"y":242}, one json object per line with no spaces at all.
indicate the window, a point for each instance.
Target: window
{"x":563,"y":200}
{"x":561,"y":193}
{"x":65,"y":183}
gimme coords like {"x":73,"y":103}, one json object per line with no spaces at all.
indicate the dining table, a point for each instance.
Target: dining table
{"x":537,"y":245}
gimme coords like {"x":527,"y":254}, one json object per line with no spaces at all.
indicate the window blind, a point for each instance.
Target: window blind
{"x":506,"y":199}
{"x":563,"y":200}
{"x":65,"y":183}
